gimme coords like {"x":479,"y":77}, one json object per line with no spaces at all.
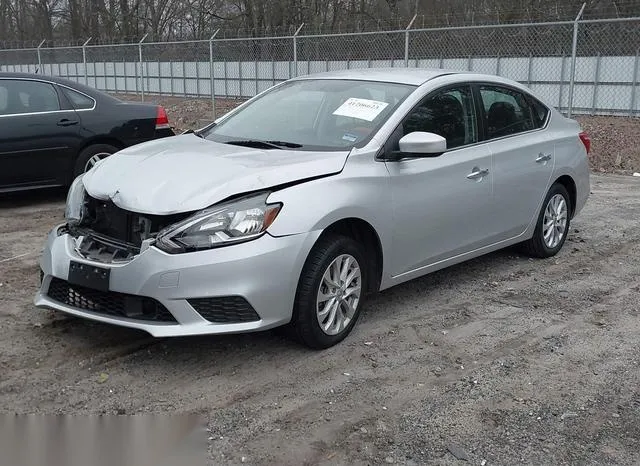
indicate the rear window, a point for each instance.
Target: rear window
{"x":78,"y":100}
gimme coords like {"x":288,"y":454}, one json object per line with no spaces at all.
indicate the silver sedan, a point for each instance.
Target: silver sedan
{"x":290,"y":209}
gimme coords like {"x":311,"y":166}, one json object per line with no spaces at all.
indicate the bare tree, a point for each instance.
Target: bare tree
{"x":128,"y":20}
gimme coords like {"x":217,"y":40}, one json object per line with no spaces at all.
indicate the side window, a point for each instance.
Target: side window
{"x":540,"y":112}
{"x":449,"y":114}
{"x":4,"y":98}
{"x":78,"y":100}
{"x":506,"y":111}
{"x":28,"y":97}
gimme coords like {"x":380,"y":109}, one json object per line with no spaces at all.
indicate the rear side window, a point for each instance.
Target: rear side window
{"x":27,"y":97}
{"x":4,"y":98}
{"x":539,"y":111}
{"x":78,"y":100}
{"x":506,"y":111}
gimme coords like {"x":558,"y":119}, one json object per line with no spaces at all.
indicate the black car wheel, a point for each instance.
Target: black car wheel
{"x":90,"y":156}
{"x":553,"y":224}
{"x":330,"y":292}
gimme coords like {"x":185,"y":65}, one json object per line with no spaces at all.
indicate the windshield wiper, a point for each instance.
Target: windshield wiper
{"x":264,"y":144}
{"x":292,"y":145}
{"x":194,"y":132}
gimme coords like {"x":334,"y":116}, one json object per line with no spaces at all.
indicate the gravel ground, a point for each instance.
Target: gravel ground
{"x":615,"y":147}
{"x":502,"y":359}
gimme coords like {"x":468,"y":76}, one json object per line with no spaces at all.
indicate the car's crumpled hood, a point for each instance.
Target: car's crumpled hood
{"x":186,"y":173}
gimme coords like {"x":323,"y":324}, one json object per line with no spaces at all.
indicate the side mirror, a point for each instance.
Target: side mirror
{"x":421,"y":144}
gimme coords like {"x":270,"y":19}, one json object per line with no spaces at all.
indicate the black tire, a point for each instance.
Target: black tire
{"x":304,"y":324}
{"x":536,"y":246}
{"x":87,"y":153}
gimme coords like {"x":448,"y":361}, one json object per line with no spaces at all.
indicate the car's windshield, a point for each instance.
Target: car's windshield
{"x":314,"y":114}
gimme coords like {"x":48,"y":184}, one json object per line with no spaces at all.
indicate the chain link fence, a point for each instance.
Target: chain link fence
{"x":580,"y":67}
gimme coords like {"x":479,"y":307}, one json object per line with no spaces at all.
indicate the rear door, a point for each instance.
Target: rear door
{"x":523,"y":155}
{"x":39,"y":134}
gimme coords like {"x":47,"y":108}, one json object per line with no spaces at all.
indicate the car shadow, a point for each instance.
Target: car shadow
{"x":31,"y":198}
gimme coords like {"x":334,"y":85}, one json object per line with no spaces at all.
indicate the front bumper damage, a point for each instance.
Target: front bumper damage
{"x":233,"y":289}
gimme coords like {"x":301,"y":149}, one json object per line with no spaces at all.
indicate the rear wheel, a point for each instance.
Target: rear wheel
{"x":330,"y":292}
{"x":553,"y":224}
{"x":92,"y":155}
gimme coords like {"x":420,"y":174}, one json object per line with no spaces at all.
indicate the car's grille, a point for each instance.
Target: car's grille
{"x":108,"y":302}
{"x":100,"y":249}
{"x":225,"y":309}
{"x":109,"y":220}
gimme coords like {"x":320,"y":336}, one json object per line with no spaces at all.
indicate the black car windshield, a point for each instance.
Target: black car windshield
{"x":313,"y":114}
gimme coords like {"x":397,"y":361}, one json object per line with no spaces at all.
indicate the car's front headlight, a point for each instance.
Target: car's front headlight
{"x":233,"y":222}
{"x":74,"y":209}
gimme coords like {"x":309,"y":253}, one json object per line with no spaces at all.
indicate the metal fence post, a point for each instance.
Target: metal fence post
{"x":574,"y":52}
{"x":39,"y":57}
{"x":295,"y":51}
{"x":84,"y":62}
{"x":596,"y":81}
{"x":406,"y":41}
{"x":212,"y":77}
{"x":562,"y":73}
{"x":141,"y":67}
{"x":632,"y":108}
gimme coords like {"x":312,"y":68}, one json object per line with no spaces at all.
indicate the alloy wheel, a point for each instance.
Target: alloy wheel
{"x":94,"y":159}
{"x":555,"y":221}
{"x":339,"y":294}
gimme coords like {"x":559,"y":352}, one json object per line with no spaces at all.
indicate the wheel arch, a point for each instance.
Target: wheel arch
{"x":93,"y":141}
{"x":100,"y":140}
{"x":570,"y":185}
{"x":364,"y":233}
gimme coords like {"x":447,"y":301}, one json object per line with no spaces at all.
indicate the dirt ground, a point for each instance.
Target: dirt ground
{"x":500,"y":360}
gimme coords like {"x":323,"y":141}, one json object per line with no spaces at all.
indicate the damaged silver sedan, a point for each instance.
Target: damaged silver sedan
{"x":290,"y":209}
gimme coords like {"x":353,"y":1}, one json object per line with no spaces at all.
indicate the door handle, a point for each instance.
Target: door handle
{"x":543,"y":157}
{"x":477,"y":173}
{"x":67,"y":122}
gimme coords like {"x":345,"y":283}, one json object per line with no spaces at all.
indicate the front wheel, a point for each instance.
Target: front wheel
{"x":330,"y":292}
{"x":553,"y":224}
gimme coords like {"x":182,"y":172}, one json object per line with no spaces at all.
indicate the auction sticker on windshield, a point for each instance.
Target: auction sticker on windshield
{"x":362,"y":109}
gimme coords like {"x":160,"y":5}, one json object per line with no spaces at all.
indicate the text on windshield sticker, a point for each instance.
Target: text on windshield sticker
{"x":362,"y":109}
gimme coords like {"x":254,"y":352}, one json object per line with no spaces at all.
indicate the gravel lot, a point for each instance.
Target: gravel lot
{"x":502,"y":359}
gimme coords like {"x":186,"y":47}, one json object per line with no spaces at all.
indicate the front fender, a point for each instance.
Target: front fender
{"x":360,"y":191}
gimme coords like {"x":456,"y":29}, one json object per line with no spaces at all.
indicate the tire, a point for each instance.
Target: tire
{"x":537,"y":246}
{"x":305,"y":324}
{"x":88,"y":153}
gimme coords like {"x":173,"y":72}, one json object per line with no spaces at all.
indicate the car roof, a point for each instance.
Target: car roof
{"x":90,"y":91}
{"x":42,"y":77}
{"x":412,"y":76}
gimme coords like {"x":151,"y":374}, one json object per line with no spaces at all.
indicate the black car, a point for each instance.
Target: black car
{"x":53,"y":129}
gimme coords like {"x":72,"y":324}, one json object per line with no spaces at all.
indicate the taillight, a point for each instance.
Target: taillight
{"x":162,"y":120}
{"x":586,"y":140}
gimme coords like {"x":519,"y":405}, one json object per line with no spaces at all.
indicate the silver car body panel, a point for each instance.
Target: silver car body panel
{"x":187,"y":173}
{"x":237,"y":270}
{"x":427,"y":213}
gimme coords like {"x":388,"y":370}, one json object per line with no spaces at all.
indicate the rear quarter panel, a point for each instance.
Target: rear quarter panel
{"x":128,"y":124}
{"x":571,"y":156}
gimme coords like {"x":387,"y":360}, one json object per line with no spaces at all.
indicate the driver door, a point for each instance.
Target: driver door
{"x":442,"y":206}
